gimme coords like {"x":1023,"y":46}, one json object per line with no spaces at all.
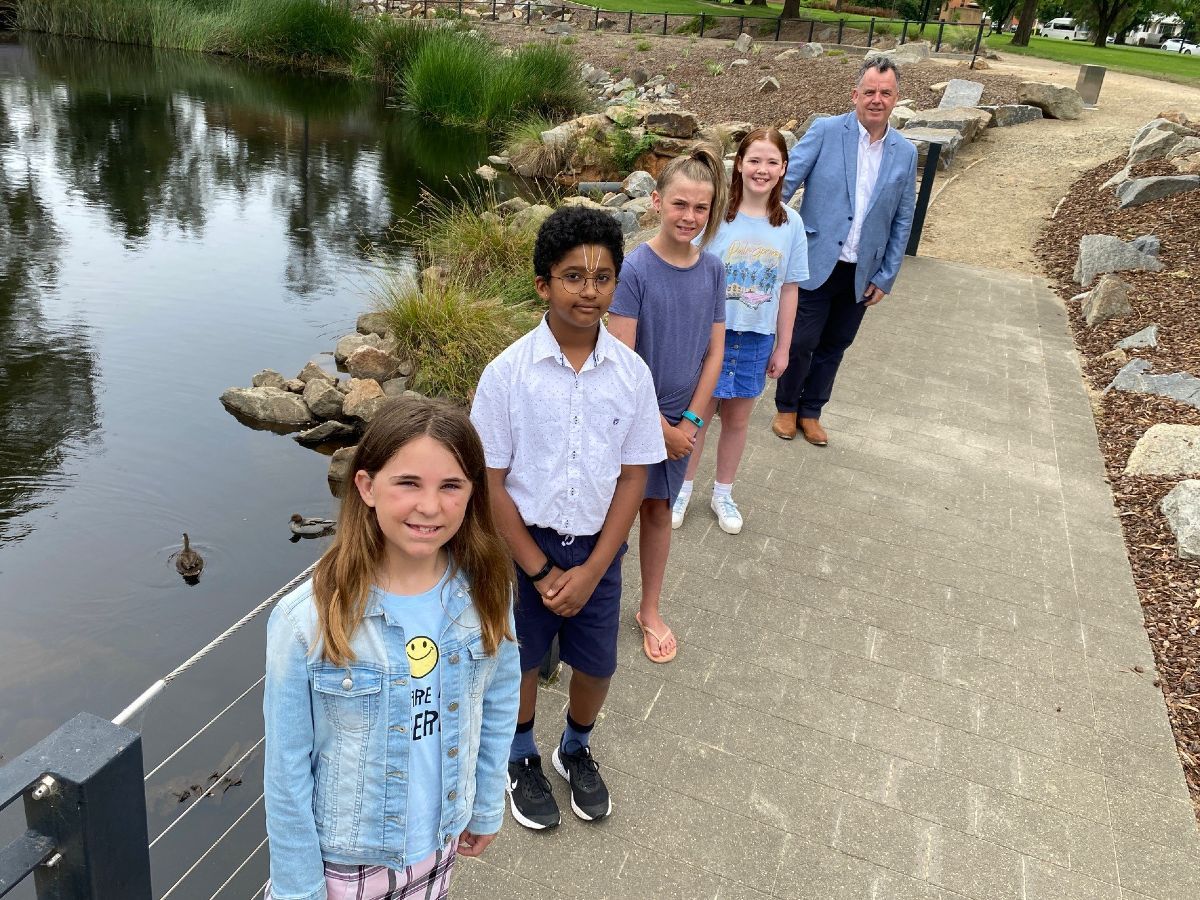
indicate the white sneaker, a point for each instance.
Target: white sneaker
{"x":728,"y":516}
{"x":679,"y":509}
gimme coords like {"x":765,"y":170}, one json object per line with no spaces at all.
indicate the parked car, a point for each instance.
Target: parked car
{"x":1065,"y":29}
{"x":1178,"y":45}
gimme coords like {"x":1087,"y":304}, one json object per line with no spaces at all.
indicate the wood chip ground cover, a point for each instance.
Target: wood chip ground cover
{"x":1168,"y":587}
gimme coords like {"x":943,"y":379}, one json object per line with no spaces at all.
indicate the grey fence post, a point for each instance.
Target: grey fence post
{"x":629,"y":24}
{"x":978,"y":41}
{"x":528,"y":11}
{"x":778,"y":26}
{"x":927,"y":177}
{"x":702,"y":20}
{"x":904,"y":31}
{"x":841,"y":28}
{"x":88,"y":806}
{"x":741,"y":24}
{"x":596,"y":24}
{"x":941,"y":29}
{"x":812,"y":23}
{"x":664,"y":23}
{"x":870,"y":32}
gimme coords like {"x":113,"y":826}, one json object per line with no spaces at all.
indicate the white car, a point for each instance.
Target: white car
{"x":1178,"y":45}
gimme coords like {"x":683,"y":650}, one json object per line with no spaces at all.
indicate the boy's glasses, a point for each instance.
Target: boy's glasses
{"x":574,"y":282}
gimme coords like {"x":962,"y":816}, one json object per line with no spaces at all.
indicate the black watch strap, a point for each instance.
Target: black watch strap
{"x":542,"y":572}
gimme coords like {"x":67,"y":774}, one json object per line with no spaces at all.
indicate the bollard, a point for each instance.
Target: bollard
{"x":1089,"y":82}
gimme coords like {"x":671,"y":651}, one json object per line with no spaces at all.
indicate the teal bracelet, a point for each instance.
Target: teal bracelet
{"x":693,"y":418}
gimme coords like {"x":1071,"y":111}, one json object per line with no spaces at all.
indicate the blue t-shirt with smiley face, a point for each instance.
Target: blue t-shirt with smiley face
{"x":423,"y":617}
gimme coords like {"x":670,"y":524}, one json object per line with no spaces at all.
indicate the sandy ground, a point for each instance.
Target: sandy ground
{"x":990,"y":206}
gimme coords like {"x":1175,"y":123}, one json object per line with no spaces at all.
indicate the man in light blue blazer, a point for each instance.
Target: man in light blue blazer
{"x":859,"y":178}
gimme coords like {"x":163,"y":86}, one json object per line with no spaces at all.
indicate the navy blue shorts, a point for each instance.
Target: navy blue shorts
{"x":587,"y":641}
{"x":744,"y":369}
{"x":664,"y":479}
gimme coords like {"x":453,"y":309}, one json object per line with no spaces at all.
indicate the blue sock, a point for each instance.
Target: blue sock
{"x":522,"y":745}
{"x":575,"y":736}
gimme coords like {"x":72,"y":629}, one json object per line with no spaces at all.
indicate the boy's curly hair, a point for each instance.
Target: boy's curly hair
{"x":571,"y":226}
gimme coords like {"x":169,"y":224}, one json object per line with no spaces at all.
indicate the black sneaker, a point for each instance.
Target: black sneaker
{"x":529,"y":794}
{"x":589,"y":794}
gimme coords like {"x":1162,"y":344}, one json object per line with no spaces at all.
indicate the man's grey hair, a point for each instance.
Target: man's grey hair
{"x":881,"y":64}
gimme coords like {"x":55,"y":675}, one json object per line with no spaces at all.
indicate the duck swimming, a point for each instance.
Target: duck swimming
{"x":188,"y":562}
{"x":311,"y":527}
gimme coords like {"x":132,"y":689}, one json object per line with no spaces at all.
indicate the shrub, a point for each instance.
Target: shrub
{"x":388,"y":48}
{"x":542,"y":78}
{"x":626,"y":149}
{"x":964,"y":41}
{"x":524,"y":148}
{"x":449,"y":334}
{"x":642,"y":46}
{"x":692,"y":25}
{"x":713,"y":67}
{"x":293,"y":30}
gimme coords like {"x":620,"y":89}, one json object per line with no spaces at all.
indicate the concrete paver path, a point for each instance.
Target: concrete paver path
{"x":912,"y":676}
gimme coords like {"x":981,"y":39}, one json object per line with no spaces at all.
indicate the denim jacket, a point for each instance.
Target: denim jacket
{"x":337,"y":744}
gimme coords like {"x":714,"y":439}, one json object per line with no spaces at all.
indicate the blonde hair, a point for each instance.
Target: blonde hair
{"x":343,"y":577}
{"x":702,"y":165}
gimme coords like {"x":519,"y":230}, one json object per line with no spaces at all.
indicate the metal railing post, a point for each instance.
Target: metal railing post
{"x":528,"y":11}
{"x":664,"y":23}
{"x":841,"y":28}
{"x":494,"y":10}
{"x":596,"y":23}
{"x":741,"y":24}
{"x":928,"y":173}
{"x":812,"y":23}
{"x":86,"y":814}
{"x":941,"y":29}
{"x":978,"y":41}
{"x":904,"y":32}
{"x":702,"y":20}
{"x":778,"y":26}
{"x":629,"y":24}
{"x":460,"y":8}
{"x":870,"y":33}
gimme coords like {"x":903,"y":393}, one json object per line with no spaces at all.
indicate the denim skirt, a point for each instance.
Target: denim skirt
{"x":744,"y":369}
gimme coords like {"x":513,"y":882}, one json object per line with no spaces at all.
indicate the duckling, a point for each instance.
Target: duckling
{"x":309,"y":527}
{"x":188,"y":562}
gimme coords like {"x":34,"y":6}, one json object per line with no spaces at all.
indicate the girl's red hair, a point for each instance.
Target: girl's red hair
{"x":776,"y":214}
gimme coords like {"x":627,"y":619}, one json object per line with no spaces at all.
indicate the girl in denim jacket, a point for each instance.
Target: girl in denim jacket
{"x":391,"y":686}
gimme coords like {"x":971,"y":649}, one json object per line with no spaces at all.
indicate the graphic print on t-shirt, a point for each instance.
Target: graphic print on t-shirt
{"x":751,"y":271}
{"x":422,"y":655}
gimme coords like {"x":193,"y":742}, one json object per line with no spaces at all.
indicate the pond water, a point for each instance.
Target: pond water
{"x":169,"y":225}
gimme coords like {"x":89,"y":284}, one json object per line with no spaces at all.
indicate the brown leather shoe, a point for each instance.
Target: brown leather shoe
{"x":813,"y":432}
{"x":784,"y":425}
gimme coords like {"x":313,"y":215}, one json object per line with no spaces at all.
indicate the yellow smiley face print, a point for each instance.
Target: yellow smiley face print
{"x":422,"y":656}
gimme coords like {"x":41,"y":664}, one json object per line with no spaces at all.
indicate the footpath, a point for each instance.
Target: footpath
{"x":920,"y":672}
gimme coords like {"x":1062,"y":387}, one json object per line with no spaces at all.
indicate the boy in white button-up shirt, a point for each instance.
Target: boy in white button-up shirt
{"x":569,"y":421}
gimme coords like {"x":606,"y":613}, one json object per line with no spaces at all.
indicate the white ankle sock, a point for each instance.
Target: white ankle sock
{"x":722,"y":490}
{"x":685,"y":489}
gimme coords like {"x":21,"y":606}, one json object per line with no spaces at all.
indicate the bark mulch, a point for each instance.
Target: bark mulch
{"x":805,"y":85}
{"x":1169,"y":587}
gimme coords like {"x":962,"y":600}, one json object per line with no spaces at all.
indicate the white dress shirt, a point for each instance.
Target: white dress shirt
{"x":564,"y":435}
{"x":870,"y":158}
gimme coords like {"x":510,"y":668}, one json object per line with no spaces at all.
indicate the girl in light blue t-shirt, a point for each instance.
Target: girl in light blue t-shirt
{"x":765,"y":252}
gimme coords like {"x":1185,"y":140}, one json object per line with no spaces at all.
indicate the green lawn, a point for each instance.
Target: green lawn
{"x":1146,"y":61}
{"x":689,"y":8}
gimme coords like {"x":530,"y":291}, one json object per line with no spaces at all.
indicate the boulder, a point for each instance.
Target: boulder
{"x":1138,"y":191}
{"x":1100,"y":253}
{"x":1057,"y":101}
{"x":323,"y":398}
{"x":1135,"y":378}
{"x":511,"y":205}
{"x":1159,"y":124}
{"x":978,"y":63}
{"x":1181,"y":507}
{"x":810,"y":50}
{"x":1186,"y":147}
{"x":949,"y":139}
{"x":1010,"y":114}
{"x":743,"y":42}
{"x":793,"y":53}
{"x":912,"y":52}
{"x":592,"y":75}
{"x":372,"y":363}
{"x":1146,"y":339}
{"x":614,"y":201}
{"x":373,"y":323}
{"x":267,"y":378}
{"x":961,"y":93}
{"x":812,"y":117}
{"x":585,"y":202}
{"x":1108,"y":300}
{"x":364,"y":400}
{"x":487,"y":173}
{"x":768,"y":85}
{"x":351,"y":342}
{"x":901,"y":116}
{"x":1146,"y":243}
{"x":678,"y":123}
{"x":1118,"y":179}
{"x":627,"y":219}
{"x":638,"y":184}
{"x":1120,"y":357}
{"x":1176,"y":116}
{"x":1166,"y":450}
{"x":339,"y":470}
{"x":939,"y":87}
{"x":326,"y":431}
{"x":294,"y":386}
{"x":531,"y":218}
{"x":1154,"y":145}
{"x":268,"y":405}
{"x":395,"y":387}
{"x":968,"y":122}
{"x":500,"y":163}
{"x":728,"y":131}
{"x":739,"y":63}
{"x":1188,"y":165}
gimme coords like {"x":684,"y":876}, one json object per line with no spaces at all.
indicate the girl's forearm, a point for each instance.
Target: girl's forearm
{"x":788,"y":301}
{"x":710,"y":372}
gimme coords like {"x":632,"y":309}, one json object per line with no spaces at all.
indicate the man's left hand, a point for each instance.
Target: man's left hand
{"x":873,"y":295}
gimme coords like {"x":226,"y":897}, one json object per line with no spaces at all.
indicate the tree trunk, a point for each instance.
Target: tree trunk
{"x":1025,"y":25}
{"x":791,"y":9}
{"x":1102,"y":27}
{"x":758,"y":2}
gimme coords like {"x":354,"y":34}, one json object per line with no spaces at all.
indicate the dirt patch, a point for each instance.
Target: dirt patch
{"x":1168,"y":587}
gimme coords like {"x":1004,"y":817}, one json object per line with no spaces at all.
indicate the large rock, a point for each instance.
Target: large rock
{"x":1186,"y":147}
{"x":364,"y":399}
{"x":269,"y":405}
{"x":1159,"y":124}
{"x":323,"y":398}
{"x":810,"y":50}
{"x":1139,"y":191}
{"x":677,"y":123}
{"x":1146,"y":339}
{"x":949,"y":139}
{"x":812,"y":117}
{"x":351,"y":342}
{"x":1188,"y":165}
{"x":1009,"y":114}
{"x":1056,"y":100}
{"x":395,"y":387}
{"x":901,"y":116}
{"x":638,"y":184}
{"x":1155,"y":145}
{"x":530,"y":218}
{"x":768,"y":85}
{"x":268,"y":378}
{"x":511,"y":206}
{"x":912,"y":52}
{"x":1108,"y":300}
{"x":559,"y":137}
{"x":1100,"y":253}
{"x":1166,"y":450}
{"x":1136,"y":378}
{"x":967,"y":122}
{"x":325,"y":432}
{"x":373,"y":323}
{"x":1182,"y":510}
{"x":743,"y":42}
{"x":961,"y":93}
{"x":339,"y":470}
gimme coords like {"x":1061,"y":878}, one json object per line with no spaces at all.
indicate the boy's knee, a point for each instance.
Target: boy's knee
{"x":655,"y":512}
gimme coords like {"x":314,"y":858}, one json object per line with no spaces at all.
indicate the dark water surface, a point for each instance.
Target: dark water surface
{"x":169,"y":225}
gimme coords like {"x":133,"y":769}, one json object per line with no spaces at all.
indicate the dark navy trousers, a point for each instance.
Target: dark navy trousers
{"x":827,"y":321}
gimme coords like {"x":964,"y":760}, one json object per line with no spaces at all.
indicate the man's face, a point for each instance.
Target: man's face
{"x":874,"y":98}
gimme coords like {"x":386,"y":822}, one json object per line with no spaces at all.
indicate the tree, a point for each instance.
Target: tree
{"x":1000,"y":12}
{"x":1107,"y":17}
{"x":1025,"y":25}
{"x":791,"y":9}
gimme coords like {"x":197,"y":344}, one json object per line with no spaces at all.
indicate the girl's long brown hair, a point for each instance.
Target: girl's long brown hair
{"x":343,"y":577}
{"x":776,"y":214}
{"x":704,"y":165}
